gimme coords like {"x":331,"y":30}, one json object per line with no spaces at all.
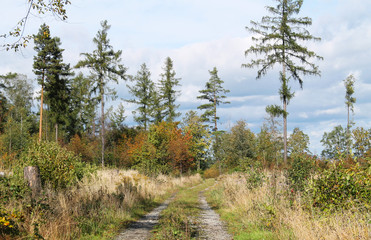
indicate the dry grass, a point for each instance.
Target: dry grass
{"x":274,"y":208}
{"x":99,"y":205}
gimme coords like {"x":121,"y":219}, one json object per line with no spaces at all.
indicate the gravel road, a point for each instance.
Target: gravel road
{"x":141,"y":229}
{"x":211,"y":226}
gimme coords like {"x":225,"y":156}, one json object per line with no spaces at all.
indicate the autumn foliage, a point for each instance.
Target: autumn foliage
{"x":165,"y":148}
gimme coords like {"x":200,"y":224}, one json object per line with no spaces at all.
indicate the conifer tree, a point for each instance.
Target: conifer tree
{"x":52,"y":75}
{"x":104,"y":64}
{"x":143,"y":93}
{"x":41,"y":61}
{"x":82,"y":105}
{"x":278,"y":38}
{"x":57,"y":87}
{"x":168,"y":94}
{"x":214,"y":93}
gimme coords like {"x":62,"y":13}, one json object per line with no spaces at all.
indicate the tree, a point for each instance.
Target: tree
{"x":57,"y":87}
{"x":214,"y":93}
{"x":37,"y":7}
{"x":41,"y":65}
{"x":238,"y":145}
{"x":18,"y":91}
{"x":349,"y":101}
{"x":298,"y":142}
{"x":334,"y":142}
{"x":82,"y":105}
{"x":200,"y":140}
{"x":118,"y":117}
{"x":53,"y":77}
{"x":279,"y":40}
{"x":104,"y":65}
{"x":362,"y":141}
{"x":269,"y":139}
{"x":143,"y":92}
{"x":168,"y":94}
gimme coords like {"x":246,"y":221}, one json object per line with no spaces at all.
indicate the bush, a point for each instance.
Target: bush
{"x":342,"y":187}
{"x":58,"y":167}
{"x":212,"y":172}
{"x":299,"y":172}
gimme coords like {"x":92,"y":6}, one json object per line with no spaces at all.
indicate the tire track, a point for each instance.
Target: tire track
{"x":142,"y":228}
{"x":212,"y":227}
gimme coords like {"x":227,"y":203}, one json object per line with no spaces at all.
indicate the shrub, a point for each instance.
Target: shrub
{"x":58,"y":167}
{"x":212,"y":172}
{"x":340,"y":187}
{"x":299,"y":172}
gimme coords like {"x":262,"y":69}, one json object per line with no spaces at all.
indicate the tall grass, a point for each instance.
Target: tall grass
{"x":97,"y":207}
{"x":273,"y":211}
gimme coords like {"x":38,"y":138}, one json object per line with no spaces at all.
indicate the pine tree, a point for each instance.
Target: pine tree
{"x":168,"y":94}
{"x":104,"y":64}
{"x":143,"y":92}
{"x":279,"y":40}
{"x":52,"y":75}
{"x":214,"y":93}
{"x":43,"y":43}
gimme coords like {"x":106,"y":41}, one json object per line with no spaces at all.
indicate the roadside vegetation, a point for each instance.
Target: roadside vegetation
{"x":323,"y":203}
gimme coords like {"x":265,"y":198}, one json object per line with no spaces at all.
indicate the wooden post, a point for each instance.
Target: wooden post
{"x":32,"y":176}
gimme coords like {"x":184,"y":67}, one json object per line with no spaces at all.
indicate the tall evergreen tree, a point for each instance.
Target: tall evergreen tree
{"x":52,"y":75}
{"x":142,"y":90}
{"x":349,"y":101}
{"x":168,"y":94}
{"x":104,"y":64}
{"x":43,"y":44}
{"x":279,"y":40}
{"x":82,"y":105}
{"x":214,"y":93}
{"x":57,"y":87}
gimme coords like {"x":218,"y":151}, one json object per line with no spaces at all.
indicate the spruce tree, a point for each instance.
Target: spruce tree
{"x":278,"y":38}
{"x":57,"y":87}
{"x":143,"y":90}
{"x":168,"y":94}
{"x":104,"y":65}
{"x":214,"y":93}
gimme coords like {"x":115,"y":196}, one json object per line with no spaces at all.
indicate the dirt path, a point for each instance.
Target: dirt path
{"x":141,"y":229}
{"x":211,"y":226}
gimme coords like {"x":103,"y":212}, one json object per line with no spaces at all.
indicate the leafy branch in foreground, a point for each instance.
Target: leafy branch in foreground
{"x":37,"y":7}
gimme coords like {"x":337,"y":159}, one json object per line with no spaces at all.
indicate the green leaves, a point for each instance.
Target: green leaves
{"x":58,"y":167}
{"x":38,"y":7}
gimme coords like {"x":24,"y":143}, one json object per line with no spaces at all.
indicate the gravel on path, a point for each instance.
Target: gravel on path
{"x":141,"y":229}
{"x":211,"y":226}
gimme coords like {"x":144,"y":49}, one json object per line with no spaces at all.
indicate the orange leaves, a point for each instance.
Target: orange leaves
{"x":165,"y":148}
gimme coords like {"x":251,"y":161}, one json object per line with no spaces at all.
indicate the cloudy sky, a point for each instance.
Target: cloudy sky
{"x":201,"y":34}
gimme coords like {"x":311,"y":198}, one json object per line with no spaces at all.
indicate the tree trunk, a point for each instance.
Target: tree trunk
{"x":216,"y":126}
{"x":32,"y":177}
{"x":102,"y":131}
{"x":284,"y":119}
{"x":56,"y":132}
{"x":348,"y":135}
{"x":41,"y":112}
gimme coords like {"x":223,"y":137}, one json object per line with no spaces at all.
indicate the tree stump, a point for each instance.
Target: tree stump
{"x":32,"y":176}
